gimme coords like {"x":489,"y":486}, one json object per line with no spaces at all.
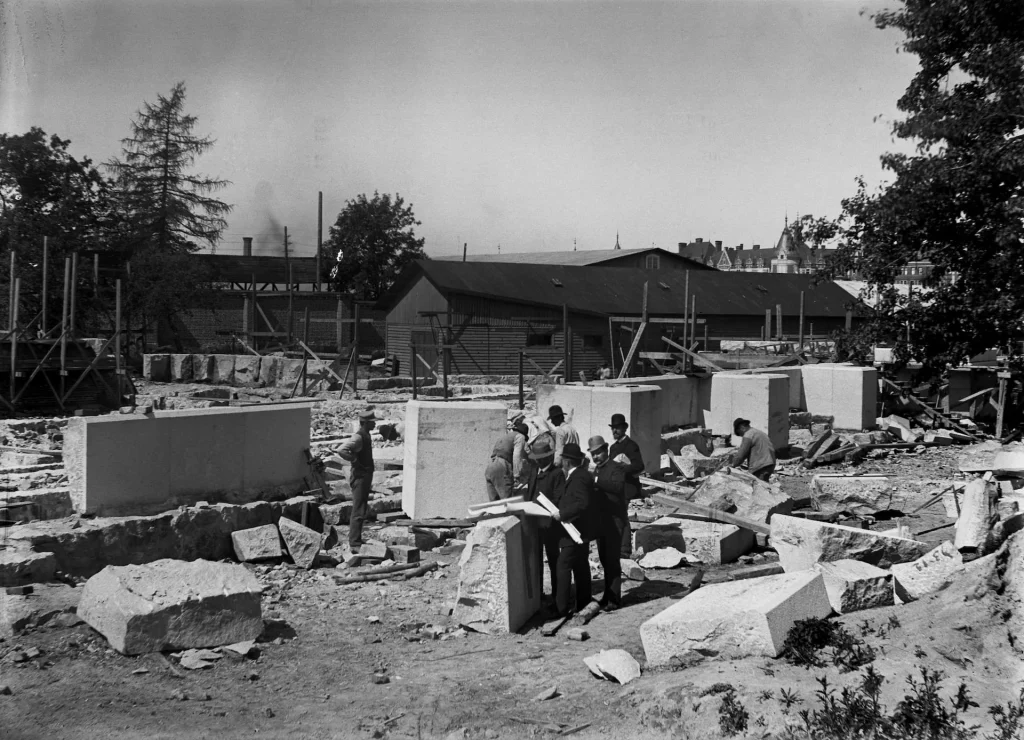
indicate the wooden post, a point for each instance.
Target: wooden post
{"x":355,"y":353}
{"x":117,"y":339}
{"x":338,"y":327}
{"x":14,"y":333}
{"x":686,"y":318}
{"x":246,"y":308}
{"x":412,"y":367}
{"x":319,"y":237}
{"x":566,"y":370}
{"x":778,"y":319}
{"x":611,"y":343}
{"x":252,"y":322}
{"x":305,"y":342}
{"x":46,"y":264}
{"x":767,"y":324}
{"x":291,"y":297}
{"x":10,"y":295}
{"x":693,"y":318}
{"x":522,"y":397}
{"x":705,"y":348}
{"x":64,"y":327}
{"x":1003,"y":377}
{"x":801,"y":320}
{"x":849,"y":319}
{"x":96,"y":271}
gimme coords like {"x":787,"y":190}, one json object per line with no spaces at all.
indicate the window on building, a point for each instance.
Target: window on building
{"x":593,"y":341}
{"x":540,"y":339}
{"x":653,"y":262}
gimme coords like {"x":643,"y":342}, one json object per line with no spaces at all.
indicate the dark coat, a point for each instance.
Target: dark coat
{"x":631,"y":450}
{"x":610,"y":485}
{"x":576,"y":505}
{"x":551,"y":484}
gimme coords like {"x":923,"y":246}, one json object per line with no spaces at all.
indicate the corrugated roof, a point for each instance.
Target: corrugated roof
{"x":233,"y":268}
{"x":580,"y":259}
{"x":618,"y":291}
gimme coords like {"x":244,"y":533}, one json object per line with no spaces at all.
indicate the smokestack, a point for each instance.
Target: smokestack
{"x":247,"y":246}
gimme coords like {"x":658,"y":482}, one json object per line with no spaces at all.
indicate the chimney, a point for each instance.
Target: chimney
{"x":757,"y":246}
{"x":718,"y":245}
{"x":700,"y":240}
{"x":739,"y":248}
{"x":247,"y":246}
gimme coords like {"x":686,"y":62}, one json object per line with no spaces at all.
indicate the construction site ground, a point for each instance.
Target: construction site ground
{"x":383,"y":660}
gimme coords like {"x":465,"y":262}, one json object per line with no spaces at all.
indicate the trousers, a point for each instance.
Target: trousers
{"x":572,"y":564}
{"x":360,"y":499}
{"x":763,"y":473}
{"x":609,"y":551}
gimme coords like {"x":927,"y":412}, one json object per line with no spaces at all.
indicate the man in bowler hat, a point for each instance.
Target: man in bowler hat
{"x":627,"y":452}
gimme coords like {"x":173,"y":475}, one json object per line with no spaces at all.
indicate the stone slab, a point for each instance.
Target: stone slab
{"x":257,"y":543}
{"x":796,"y":384}
{"x":246,"y":372}
{"x":735,"y":619}
{"x":855,"y":494}
{"x":303,"y":543}
{"x":499,"y":575}
{"x":762,"y":398}
{"x":845,"y":392}
{"x":173,"y":605}
{"x":20,"y":565}
{"x":447,"y":445}
{"x":157,"y":368}
{"x":134,"y":464}
{"x":930,"y":573}
{"x":801,"y":543}
{"x":682,"y":400}
{"x":853,"y":585}
{"x":222,"y":371}
{"x":737,"y":492}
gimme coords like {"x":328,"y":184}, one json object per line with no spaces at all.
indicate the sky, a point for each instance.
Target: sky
{"x":519,"y":126}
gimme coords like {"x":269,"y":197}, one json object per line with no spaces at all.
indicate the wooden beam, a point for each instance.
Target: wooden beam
{"x":688,"y":509}
{"x":702,"y":360}
{"x":632,"y":350}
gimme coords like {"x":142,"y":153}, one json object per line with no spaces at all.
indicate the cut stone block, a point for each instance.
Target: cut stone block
{"x":802,"y":542}
{"x":157,"y":368}
{"x":257,"y":543}
{"x":846,"y":392}
{"x":851,"y":493}
{"x":247,"y":371}
{"x":172,"y":605}
{"x":223,"y":369}
{"x":709,"y":542}
{"x":853,"y":585}
{"x":499,"y":575}
{"x":682,"y":400}
{"x":404,"y":554}
{"x":978,"y":515}
{"x":303,"y":543}
{"x":202,"y":368}
{"x":735,"y":619}
{"x":19,"y":565}
{"x":270,"y":370}
{"x":762,"y":398}
{"x":737,"y":492}
{"x":444,"y":444}
{"x":132,"y":464}
{"x":181,"y":368}
{"x":931,"y":572}
{"x":796,"y":384}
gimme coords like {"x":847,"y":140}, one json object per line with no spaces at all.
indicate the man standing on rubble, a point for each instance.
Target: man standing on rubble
{"x":612,"y":514}
{"x":564,"y":432}
{"x":498,"y":474}
{"x":358,"y":450}
{"x":626,"y":452}
{"x":547,"y":478}
{"x":575,"y":506}
{"x":756,"y":447}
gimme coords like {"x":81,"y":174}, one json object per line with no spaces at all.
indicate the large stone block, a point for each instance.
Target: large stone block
{"x":931,"y":572}
{"x":302,"y":542}
{"x":181,"y":368}
{"x":247,"y":370}
{"x":846,"y":392}
{"x":172,"y":605}
{"x":762,"y":398}
{"x":447,"y":446}
{"x":156,"y":368}
{"x":223,"y":370}
{"x":735,"y":619}
{"x":802,"y":542}
{"x":202,"y":368}
{"x":270,"y":370}
{"x":710,"y":542}
{"x":695,"y":464}
{"x":852,"y":585}
{"x":853,"y":493}
{"x":738,"y":492}
{"x":134,"y":464}
{"x":257,"y":543}
{"x":19,"y":564}
{"x":682,"y":400}
{"x":696,"y":438}
{"x":499,"y":575}
{"x":289,"y":373}
{"x":796,"y":383}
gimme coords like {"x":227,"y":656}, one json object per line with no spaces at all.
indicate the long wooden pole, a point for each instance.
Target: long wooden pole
{"x":305,"y":343}
{"x":64,"y":326}
{"x":355,"y":354}
{"x":117,"y":338}
{"x":801,"y":320}
{"x":338,"y":328}
{"x":74,"y":293}
{"x":693,"y":318}
{"x":767,"y":324}
{"x":14,"y":334}
{"x":686,"y":318}
{"x":291,"y":306}
{"x":10,"y":295}
{"x":611,"y":343}
{"x":46,"y":265}
{"x":319,"y":236}
{"x":565,"y":341}
{"x":522,"y":396}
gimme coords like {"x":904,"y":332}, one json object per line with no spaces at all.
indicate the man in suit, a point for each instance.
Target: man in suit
{"x":576,"y":507}
{"x":613,"y":515}
{"x":626,"y":452}
{"x":563,"y":431}
{"x":546,"y":478}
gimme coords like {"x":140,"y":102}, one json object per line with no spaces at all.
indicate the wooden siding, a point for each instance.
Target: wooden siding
{"x":422,"y":296}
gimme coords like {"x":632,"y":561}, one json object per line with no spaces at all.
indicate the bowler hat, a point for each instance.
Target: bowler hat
{"x":740,"y":421}
{"x":555,"y":411}
{"x":541,"y":449}
{"x":618,"y":420}
{"x":572,"y":451}
{"x":367,"y":414}
{"x":596,"y":443}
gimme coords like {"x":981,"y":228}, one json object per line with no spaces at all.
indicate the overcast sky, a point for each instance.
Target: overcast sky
{"x":524,"y":124}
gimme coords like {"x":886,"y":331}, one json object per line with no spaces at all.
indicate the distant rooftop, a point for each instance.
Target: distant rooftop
{"x":582,"y":258}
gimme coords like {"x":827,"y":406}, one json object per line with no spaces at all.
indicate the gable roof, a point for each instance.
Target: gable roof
{"x":618,"y":291}
{"x":580,"y":259}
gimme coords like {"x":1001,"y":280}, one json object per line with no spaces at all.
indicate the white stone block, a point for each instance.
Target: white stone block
{"x":709,"y":542}
{"x":853,"y":585}
{"x":223,"y":371}
{"x":247,"y":370}
{"x":761,"y":398}
{"x":931,"y":572}
{"x":257,"y":543}
{"x":735,"y":619}
{"x":845,"y":392}
{"x":499,"y":575}
{"x":796,"y":383}
{"x":683,"y":398}
{"x":801,"y":543}
{"x":133,"y":464}
{"x":172,"y":605}
{"x":740,"y":493}
{"x":447,"y":446}
{"x":853,"y":493}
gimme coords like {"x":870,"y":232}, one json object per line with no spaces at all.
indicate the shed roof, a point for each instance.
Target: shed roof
{"x":233,"y":268}
{"x":618,"y":291}
{"x":580,"y":259}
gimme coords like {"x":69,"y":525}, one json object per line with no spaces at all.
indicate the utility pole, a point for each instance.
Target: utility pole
{"x":319,"y":236}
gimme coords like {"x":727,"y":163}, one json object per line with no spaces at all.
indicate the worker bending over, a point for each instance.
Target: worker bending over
{"x":756,"y":447}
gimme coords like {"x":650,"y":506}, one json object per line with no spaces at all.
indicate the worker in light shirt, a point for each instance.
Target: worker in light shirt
{"x":756,"y":450}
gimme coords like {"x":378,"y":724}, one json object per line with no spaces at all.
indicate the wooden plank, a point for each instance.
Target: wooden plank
{"x":632,"y":350}
{"x":32,"y":451}
{"x":688,"y":508}
{"x":694,"y":355}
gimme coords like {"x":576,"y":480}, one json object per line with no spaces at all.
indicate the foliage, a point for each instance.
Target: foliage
{"x":956,"y":200}
{"x":370,"y":243}
{"x":808,"y":640}
{"x":814,"y":232}
{"x":733,"y":717}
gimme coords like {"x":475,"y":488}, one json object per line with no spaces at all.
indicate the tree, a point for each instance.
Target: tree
{"x":956,"y":201}
{"x":814,"y":232}
{"x":370,"y":243}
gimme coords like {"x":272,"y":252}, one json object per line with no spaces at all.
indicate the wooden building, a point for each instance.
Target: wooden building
{"x":650,"y":258}
{"x":488,"y":312}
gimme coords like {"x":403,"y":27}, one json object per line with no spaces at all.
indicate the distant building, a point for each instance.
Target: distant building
{"x":787,"y":256}
{"x":915,"y":273}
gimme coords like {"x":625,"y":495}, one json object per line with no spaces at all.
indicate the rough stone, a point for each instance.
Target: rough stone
{"x":202,"y":368}
{"x":614,"y":665}
{"x":852,"y":585}
{"x":695,"y":464}
{"x":632,"y":571}
{"x":737,"y":492}
{"x":978,"y":515}
{"x":697,"y":438}
{"x":499,"y":575}
{"x":931,"y":572}
{"x":257,"y":543}
{"x":222,"y":370}
{"x":735,"y":619}
{"x":802,"y":542}
{"x":854,"y":494}
{"x":303,"y":543}
{"x":171,"y":604}
{"x":663,"y":557}
{"x":157,"y":368}
{"x":246,"y":371}
{"x":181,"y":368}
{"x":19,"y":564}
{"x":271,"y":368}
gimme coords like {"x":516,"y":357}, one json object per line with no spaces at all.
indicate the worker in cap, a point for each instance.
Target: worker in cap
{"x":498,"y":473}
{"x":520,"y":460}
{"x":358,"y":450}
{"x":611,"y":516}
{"x":756,"y":450}
{"x":564,"y":432}
{"x":626,"y":451}
{"x":548,"y":479}
{"x":576,"y":506}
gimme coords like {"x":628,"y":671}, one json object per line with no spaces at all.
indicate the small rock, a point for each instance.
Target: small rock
{"x":253,"y":676}
{"x":204,"y":697}
{"x":268,"y":712}
{"x":373,"y":620}
{"x":19,"y":657}
{"x":140,"y":671}
{"x":578,"y":634}
{"x":549,"y":693}
{"x":665,"y":557}
{"x":381,"y":678}
{"x":5,"y":690}
{"x":33,"y":652}
{"x":243,"y":648}
{"x":19,"y":590}
{"x":179,"y":695}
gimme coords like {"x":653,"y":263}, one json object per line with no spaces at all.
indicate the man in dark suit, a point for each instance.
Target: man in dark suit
{"x":613,"y":515}
{"x":626,"y":452}
{"x":576,"y":507}
{"x":547,"y":478}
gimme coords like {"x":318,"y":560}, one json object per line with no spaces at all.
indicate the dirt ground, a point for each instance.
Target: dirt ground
{"x":314,"y":673}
